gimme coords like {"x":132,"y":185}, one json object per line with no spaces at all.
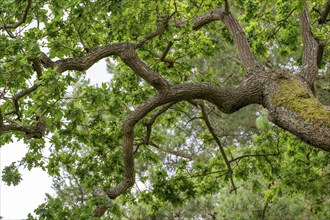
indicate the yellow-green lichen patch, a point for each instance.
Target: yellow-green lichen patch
{"x":293,"y":95}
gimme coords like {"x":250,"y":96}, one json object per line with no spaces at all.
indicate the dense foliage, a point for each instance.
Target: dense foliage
{"x":192,"y":161}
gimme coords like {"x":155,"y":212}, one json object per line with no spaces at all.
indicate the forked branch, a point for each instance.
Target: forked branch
{"x":153,"y":119}
{"x":227,"y":100}
{"x":126,"y":51}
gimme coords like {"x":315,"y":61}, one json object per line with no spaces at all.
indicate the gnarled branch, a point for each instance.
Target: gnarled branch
{"x":126,"y":51}
{"x":227,"y":100}
{"x":131,"y":59}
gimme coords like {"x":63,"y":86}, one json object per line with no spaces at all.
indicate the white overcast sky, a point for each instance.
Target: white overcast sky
{"x":17,"y":201}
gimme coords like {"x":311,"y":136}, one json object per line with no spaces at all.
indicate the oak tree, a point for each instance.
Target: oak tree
{"x":282,"y":52}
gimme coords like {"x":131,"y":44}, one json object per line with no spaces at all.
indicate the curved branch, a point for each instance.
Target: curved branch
{"x":215,"y":15}
{"x":84,"y":63}
{"x":131,"y":59}
{"x":227,"y":100}
{"x":126,"y":51}
{"x":22,"y":20}
{"x":127,"y":145}
{"x":153,"y":119}
{"x":243,"y":48}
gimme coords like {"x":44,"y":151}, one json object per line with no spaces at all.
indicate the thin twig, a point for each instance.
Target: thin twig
{"x":21,"y":21}
{"x":216,"y":139}
{"x":150,"y":123}
{"x":252,"y":155}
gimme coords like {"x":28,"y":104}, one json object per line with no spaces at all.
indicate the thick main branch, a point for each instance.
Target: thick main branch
{"x":293,"y":107}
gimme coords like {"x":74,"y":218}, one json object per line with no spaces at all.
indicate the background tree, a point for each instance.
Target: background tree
{"x":173,"y":78}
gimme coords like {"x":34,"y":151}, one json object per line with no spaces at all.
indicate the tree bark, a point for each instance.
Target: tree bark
{"x":293,"y":107}
{"x":289,"y":99}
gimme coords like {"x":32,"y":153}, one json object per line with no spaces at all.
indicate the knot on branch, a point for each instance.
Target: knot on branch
{"x":128,"y":52}
{"x":101,"y":209}
{"x":46,"y":61}
{"x":38,"y":131}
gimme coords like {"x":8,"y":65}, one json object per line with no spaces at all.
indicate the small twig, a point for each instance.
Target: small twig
{"x":86,"y":47}
{"x":216,"y":139}
{"x":167,"y":49}
{"x":252,"y":155}
{"x":263,"y":214}
{"x":21,"y":21}
{"x":159,"y":31}
{"x":281,"y":22}
{"x":192,"y":119}
{"x":173,"y":152}
{"x":222,"y":172}
{"x":26,"y":92}
{"x":150,"y":123}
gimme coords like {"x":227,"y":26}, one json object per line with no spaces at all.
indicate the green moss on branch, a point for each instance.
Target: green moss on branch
{"x":294,"y":95}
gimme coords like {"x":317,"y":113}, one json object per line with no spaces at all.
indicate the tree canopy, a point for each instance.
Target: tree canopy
{"x":203,"y":96}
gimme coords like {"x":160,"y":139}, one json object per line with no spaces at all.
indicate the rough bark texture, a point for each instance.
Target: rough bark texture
{"x":293,"y":107}
{"x":288,"y":98}
{"x":311,"y":46}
